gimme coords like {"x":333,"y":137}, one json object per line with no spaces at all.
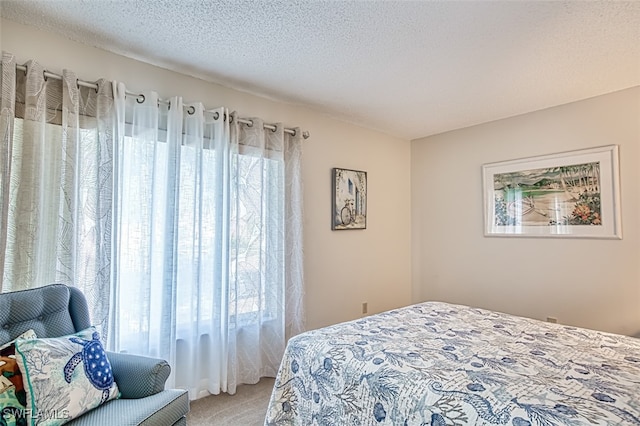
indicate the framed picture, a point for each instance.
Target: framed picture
{"x":570,"y":194}
{"x":349,"y":206}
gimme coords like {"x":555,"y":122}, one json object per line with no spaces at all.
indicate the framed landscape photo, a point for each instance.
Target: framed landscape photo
{"x":569,"y":194}
{"x":349,"y":194}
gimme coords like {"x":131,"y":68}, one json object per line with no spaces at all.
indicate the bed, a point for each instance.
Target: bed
{"x":442,"y":364}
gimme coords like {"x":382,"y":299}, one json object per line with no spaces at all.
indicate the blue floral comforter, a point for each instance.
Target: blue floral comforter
{"x":441,"y":364}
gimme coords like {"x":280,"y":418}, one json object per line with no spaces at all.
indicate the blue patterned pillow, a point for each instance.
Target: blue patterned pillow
{"x":65,"y":377}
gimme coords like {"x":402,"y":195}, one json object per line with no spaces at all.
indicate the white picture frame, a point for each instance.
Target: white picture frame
{"x":574,"y":194}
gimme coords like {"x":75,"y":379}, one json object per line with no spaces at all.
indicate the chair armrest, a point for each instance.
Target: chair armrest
{"x":138,"y":376}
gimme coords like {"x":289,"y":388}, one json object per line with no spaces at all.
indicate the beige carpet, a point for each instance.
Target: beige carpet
{"x":246,"y":408}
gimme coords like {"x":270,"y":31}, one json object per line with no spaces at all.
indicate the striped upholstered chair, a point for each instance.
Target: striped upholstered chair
{"x":58,"y":310}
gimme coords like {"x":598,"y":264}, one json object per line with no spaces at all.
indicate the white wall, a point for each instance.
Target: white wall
{"x":584,"y":282}
{"x":342,"y":268}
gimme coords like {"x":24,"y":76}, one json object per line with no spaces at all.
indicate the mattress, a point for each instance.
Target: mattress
{"x":442,"y":364}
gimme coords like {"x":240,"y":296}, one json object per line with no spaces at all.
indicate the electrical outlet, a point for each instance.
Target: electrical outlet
{"x":552,"y":319}
{"x":365,"y":307}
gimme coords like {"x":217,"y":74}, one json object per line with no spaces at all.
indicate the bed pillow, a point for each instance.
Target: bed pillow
{"x":12,"y":394}
{"x":65,"y":377}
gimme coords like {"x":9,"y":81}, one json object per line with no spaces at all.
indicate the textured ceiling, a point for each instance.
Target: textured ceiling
{"x":407,"y":68}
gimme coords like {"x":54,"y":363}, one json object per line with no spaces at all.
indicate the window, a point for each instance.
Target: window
{"x":226,"y":250}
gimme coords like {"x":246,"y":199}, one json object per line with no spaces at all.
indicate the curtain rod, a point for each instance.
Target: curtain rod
{"x":94,"y":86}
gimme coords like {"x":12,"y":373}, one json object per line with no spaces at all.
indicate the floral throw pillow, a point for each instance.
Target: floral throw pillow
{"x":29,"y":334}
{"x":12,"y":394}
{"x":65,"y":377}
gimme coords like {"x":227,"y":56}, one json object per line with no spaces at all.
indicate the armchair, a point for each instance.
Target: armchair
{"x":57,"y":310}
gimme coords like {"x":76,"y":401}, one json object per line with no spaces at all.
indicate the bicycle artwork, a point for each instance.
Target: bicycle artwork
{"x":349,"y":199}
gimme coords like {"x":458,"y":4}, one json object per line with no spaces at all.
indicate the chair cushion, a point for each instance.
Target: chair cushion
{"x":66,"y":376}
{"x":164,"y":408}
{"x":44,"y":310}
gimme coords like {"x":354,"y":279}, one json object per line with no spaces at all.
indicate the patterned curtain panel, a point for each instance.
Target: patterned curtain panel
{"x":208,"y":253}
{"x":56,"y":183}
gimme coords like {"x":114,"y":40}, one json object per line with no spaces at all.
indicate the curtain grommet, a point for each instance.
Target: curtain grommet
{"x":250,"y":123}
{"x":191,"y":110}
{"x":140,"y":99}
{"x":275,"y":128}
{"x":216,"y":115}
{"x":44,"y":75}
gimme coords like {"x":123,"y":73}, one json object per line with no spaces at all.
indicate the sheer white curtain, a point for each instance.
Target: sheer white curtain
{"x":56,"y":183}
{"x":208,"y":225}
